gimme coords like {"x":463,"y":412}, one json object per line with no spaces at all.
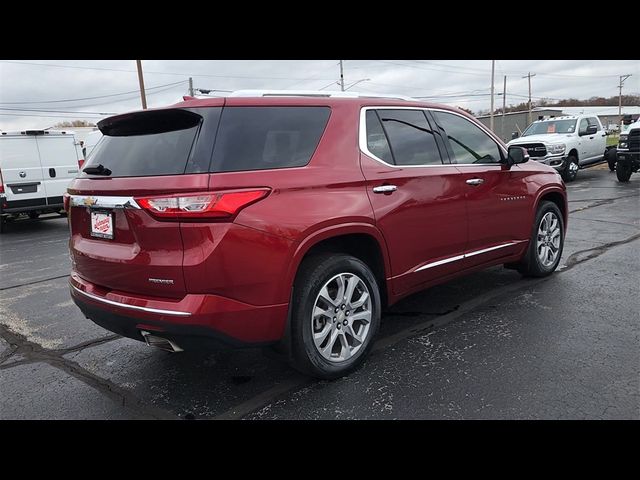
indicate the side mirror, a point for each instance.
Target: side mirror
{"x":514,"y":135}
{"x":516,"y":155}
{"x":591,"y":129}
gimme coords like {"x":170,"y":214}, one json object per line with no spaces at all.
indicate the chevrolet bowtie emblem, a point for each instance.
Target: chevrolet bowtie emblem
{"x":90,"y":201}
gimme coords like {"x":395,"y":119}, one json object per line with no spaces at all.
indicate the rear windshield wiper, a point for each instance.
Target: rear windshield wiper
{"x":98,"y":170}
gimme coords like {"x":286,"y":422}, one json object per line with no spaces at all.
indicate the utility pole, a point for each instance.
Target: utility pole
{"x":141,"y":81}
{"x":190,"y":87}
{"x":529,"y":77}
{"x":493,"y":68}
{"x":622,"y":79}
{"x":504,"y":106}
{"x":341,"y":77}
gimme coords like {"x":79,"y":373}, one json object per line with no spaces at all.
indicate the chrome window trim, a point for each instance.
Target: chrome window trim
{"x":132,"y":307}
{"x":463,"y":256}
{"x":103,"y":201}
{"x":362,"y":137}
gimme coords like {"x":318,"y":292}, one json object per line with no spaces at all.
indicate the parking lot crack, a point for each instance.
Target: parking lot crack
{"x":591,"y":253}
{"x":33,"y":353}
{"x":601,"y":202}
{"x":34,"y":282}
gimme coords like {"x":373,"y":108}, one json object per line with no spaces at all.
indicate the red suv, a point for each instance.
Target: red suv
{"x":293,"y":220}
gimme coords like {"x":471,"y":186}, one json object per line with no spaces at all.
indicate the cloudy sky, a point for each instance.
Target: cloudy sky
{"x":40,"y":93}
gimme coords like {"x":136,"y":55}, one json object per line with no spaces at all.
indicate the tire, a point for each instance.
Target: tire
{"x":611,"y":157}
{"x":33,"y":215}
{"x":3,"y":223}
{"x":326,"y":272}
{"x":571,"y":169}
{"x":623,"y":171}
{"x":531,"y":264}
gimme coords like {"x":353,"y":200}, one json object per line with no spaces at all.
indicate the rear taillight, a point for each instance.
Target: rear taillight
{"x":80,"y":163}
{"x":206,"y":205}
{"x":1,"y":183}
{"x":65,"y":201}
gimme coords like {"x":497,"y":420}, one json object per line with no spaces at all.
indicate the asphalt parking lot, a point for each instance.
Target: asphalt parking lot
{"x":491,"y":345}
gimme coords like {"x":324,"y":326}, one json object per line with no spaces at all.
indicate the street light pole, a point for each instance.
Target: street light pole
{"x":504,"y":106}
{"x":493,"y":67}
{"x":141,"y":82}
{"x":529,"y":77}
{"x":341,"y":77}
{"x":357,"y":82}
{"x":622,"y":79}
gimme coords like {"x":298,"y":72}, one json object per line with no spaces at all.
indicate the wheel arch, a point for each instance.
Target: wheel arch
{"x":557,"y":196}
{"x":574,"y":152}
{"x":363,"y":241}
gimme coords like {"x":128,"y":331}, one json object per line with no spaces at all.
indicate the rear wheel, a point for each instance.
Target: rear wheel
{"x":335,"y":315}
{"x":623,"y":171}
{"x":546,"y":243}
{"x":571,"y":169}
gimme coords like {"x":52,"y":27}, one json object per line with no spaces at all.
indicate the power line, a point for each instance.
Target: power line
{"x":72,"y":117}
{"x":55,"y":111}
{"x":182,"y":74}
{"x":514,"y":72}
{"x":91,"y":98}
{"x":432,"y":69}
{"x":133,"y":96}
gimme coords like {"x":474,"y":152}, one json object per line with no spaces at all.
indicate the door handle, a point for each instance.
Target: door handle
{"x":52,"y":172}
{"x":590,"y":138}
{"x":385,"y":189}
{"x":475,"y":181}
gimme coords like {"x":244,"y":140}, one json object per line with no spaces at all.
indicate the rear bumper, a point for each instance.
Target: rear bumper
{"x":195,"y":320}
{"x":20,"y":206}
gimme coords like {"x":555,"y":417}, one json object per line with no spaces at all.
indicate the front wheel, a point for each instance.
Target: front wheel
{"x":336,"y":312}
{"x":571,"y":169}
{"x":546,"y":243}
{"x":623,"y":171}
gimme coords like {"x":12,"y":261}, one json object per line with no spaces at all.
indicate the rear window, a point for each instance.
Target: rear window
{"x":258,"y":138}
{"x":146,"y":143}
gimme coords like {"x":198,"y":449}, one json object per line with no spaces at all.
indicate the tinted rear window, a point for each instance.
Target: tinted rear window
{"x":257,"y":138}
{"x":146,"y":143}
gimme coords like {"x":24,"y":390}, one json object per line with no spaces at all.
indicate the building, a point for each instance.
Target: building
{"x":518,"y":121}
{"x":511,"y":122}
{"x":608,"y":115}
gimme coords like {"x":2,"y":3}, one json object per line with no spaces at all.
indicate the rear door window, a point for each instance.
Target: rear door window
{"x":258,"y":138}
{"x":148,"y":143}
{"x":377,"y":142}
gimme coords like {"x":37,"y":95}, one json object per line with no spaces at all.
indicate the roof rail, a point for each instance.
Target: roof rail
{"x":316,"y":93}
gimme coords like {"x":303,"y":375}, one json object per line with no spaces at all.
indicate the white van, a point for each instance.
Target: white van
{"x":36,"y":167}
{"x":90,"y":141}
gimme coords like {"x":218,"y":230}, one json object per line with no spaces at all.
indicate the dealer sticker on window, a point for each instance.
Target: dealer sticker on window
{"x":102,"y":225}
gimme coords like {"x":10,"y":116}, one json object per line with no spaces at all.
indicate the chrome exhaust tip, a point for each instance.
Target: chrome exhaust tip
{"x":159,"y":342}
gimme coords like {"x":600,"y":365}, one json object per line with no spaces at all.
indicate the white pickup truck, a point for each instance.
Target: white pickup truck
{"x":566,"y":143}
